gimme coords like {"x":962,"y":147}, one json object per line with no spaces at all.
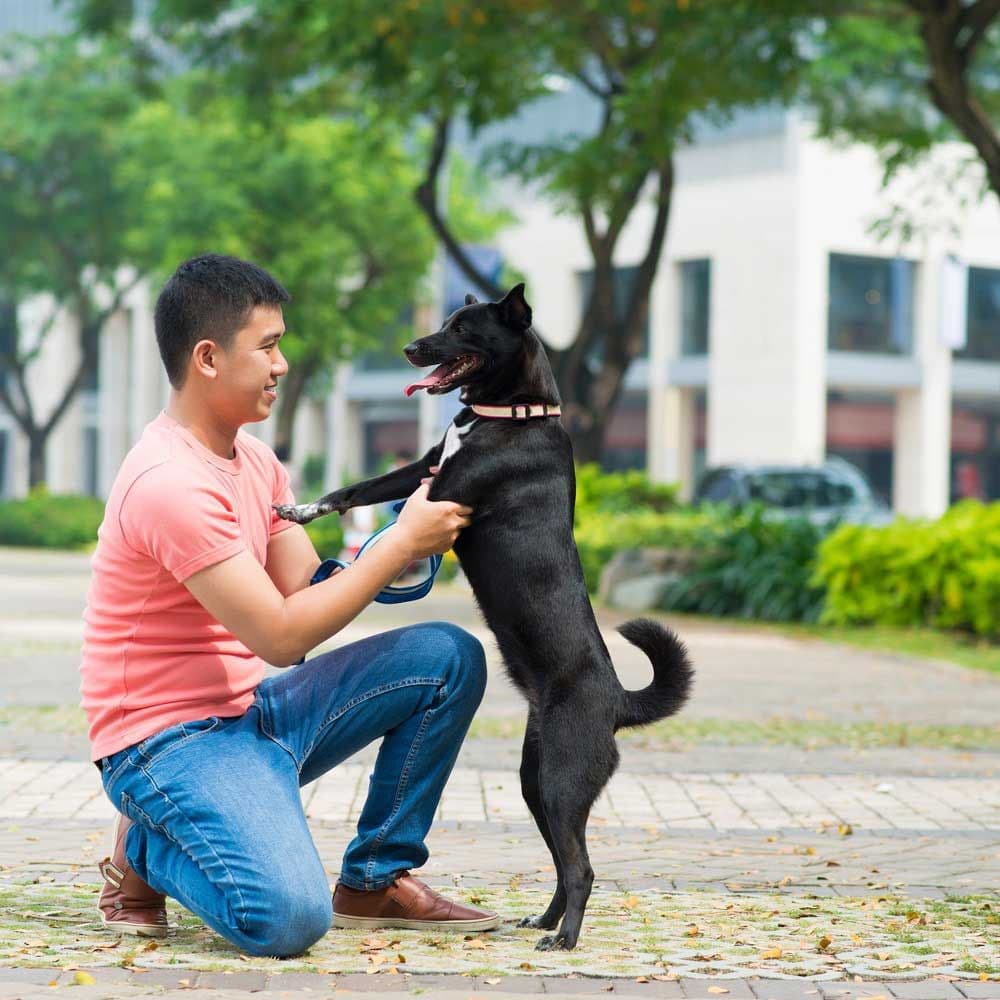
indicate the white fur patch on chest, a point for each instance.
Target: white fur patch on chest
{"x":453,"y":440}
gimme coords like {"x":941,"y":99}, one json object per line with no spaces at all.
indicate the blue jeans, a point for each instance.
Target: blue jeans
{"x":219,"y":824}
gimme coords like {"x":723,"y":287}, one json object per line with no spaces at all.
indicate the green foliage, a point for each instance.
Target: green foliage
{"x":624,"y":510}
{"x":943,"y":573}
{"x":619,"y":492}
{"x":752,"y":566}
{"x":327,"y":534}
{"x":313,"y":472}
{"x":600,"y":535}
{"x":322,"y":200}
{"x":44,"y":520}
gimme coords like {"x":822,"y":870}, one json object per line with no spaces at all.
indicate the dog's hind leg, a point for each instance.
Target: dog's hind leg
{"x":572,"y":776}
{"x":531,"y":791}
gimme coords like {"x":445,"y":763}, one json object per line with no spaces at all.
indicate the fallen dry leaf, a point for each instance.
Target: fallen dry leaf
{"x":771,"y":953}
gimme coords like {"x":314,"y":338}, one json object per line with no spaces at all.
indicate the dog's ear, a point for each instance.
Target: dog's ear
{"x":470,"y":299}
{"x":515,"y":310}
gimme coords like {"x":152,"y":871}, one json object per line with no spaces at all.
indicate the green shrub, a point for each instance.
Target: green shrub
{"x":944,"y":573}
{"x":620,"y":492}
{"x":313,"y":472}
{"x":50,"y":521}
{"x":751,"y":566}
{"x":599,"y":535}
{"x":327,"y":534}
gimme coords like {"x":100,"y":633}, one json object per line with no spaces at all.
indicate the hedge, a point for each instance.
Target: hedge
{"x":44,"y":520}
{"x":943,"y":573}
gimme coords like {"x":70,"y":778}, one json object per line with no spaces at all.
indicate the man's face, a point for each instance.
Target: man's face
{"x":250,"y":368}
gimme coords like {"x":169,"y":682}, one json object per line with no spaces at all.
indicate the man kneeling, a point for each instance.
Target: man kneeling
{"x":196,"y":584}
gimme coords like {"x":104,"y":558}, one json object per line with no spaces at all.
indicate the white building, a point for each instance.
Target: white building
{"x":781,"y":330}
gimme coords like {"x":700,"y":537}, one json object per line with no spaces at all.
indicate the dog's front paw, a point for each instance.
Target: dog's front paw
{"x":554,"y":942}
{"x":301,"y":513}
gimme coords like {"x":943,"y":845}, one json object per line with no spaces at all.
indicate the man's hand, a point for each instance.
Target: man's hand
{"x":430,"y":527}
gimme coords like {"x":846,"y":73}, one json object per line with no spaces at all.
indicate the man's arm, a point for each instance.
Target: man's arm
{"x":281,"y":629}
{"x":291,"y":560}
{"x":239,"y":593}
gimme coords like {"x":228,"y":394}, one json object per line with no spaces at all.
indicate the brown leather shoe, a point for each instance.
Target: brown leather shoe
{"x":127,"y":904}
{"x":408,"y":902}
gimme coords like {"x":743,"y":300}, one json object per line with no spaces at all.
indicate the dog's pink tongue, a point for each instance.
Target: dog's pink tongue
{"x":435,"y":376}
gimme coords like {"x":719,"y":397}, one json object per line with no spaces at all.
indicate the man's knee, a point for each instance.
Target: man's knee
{"x":295,"y":921}
{"x":468,"y":658}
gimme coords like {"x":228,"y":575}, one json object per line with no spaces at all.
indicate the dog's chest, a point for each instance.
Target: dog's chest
{"x":453,"y":440}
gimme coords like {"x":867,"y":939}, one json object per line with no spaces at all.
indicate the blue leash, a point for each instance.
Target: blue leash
{"x":389,"y":595}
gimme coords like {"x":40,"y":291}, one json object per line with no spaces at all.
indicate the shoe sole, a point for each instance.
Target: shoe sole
{"x":139,"y":930}
{"x":372,"y":923}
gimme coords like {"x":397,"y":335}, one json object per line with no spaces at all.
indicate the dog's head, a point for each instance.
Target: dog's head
{"x":486,"y":348}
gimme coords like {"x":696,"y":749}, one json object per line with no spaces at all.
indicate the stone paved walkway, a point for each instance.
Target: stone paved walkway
{"x":836,"y":832}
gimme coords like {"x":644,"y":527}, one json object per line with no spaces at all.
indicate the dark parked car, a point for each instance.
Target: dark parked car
{"x":833,"y":491}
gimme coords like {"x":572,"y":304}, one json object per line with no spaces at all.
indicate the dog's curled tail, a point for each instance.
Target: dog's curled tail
{"x":672,"y":674}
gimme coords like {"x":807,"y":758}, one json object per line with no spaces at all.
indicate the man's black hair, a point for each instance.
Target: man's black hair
{"x":209,"y":297}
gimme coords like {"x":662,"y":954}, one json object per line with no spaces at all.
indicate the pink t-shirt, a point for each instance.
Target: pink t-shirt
{"x":152,"y":655}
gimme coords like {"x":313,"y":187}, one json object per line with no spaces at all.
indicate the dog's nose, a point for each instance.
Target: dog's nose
{"x":411,"y":349}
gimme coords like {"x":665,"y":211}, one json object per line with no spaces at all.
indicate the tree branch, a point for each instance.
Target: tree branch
{"x":976,"y":20}
{"x":950,"y":92}
{"x":426,"y":196}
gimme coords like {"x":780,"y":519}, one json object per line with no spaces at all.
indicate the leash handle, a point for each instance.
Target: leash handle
{"x":390,"y":594}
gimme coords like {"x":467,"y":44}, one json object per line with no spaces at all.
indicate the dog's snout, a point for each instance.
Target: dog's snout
{"x":411,"y":349}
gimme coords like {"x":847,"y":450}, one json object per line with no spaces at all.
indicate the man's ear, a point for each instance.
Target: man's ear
{"x":515,"y":310}
{"x":470,"y":299}
{"x":203,"y":356}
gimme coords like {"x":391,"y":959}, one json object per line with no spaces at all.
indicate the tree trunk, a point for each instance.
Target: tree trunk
{"x":36,"y":458}
{"x":289,"y":394}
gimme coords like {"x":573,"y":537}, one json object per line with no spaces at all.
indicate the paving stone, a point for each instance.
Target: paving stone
{"x":282,"y":981}
{"x":431,"y":982}
{"x":378,"y":983}
{"x":979,"y":991}
{"x":783,"y":989}
{"x":581,"y":985}
{"x":167,"y":978}
{"x":41,"y":976}
{"x":698,"y":989}
{"x":510,"y":984}
{"x":929,"y":990}
{"x":109,"y":974}
{"x":854,"y":991}
{"x":251,"y":982}
{"x":654,"y":988}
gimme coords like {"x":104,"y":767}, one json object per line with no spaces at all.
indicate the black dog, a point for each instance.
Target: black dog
{"x":516,"y":472}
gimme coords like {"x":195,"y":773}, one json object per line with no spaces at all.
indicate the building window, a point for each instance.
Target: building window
{"x":625,"y":435}
{"x":696,"y":284}
{"x":871,"y":305}
{"x":982,"y":336}
{"x":624,"y":281}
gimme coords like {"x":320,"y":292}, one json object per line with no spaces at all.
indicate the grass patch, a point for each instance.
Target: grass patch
{"x":43,"y":718}
{"x":679,"y":733}
{"x":643,"y":933}
{"x":682,"y":733}
{"x":959,"y":648}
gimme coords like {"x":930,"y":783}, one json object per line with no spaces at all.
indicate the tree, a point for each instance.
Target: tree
{"x":904,"y":75}
{"x":320,"y":200}
{"x":62,"y":116}
{"x":652,"y":70}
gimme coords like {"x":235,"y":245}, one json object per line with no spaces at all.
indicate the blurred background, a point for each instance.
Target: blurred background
{"x":761,"y":239}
